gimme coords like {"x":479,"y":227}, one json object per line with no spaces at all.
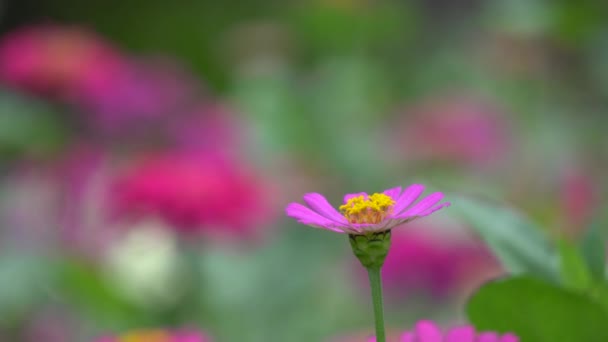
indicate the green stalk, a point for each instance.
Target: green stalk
{"x":375,"y":282}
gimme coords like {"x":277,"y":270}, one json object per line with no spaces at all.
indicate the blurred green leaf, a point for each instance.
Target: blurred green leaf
{"x":28,"y":126}
{"x":599,"y":293}
{"x":574,"y":271}
{"x":593,"y":248}
{"x":25,"y":280}
{"x":292,"y":281}
{"x":334,"y":29}
{"x":520,"y":245}
{"x":84,"y":287}
{"x":537,"y":311}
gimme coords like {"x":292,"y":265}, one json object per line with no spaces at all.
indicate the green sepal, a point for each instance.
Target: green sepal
{"x":371,"y":249}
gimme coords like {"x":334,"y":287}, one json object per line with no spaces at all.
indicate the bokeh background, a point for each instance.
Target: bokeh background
{"x":148,"y":150}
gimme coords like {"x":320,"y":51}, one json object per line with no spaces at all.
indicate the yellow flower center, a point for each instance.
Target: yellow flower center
{"x":146,"y":336}
{"x":371,"y":210}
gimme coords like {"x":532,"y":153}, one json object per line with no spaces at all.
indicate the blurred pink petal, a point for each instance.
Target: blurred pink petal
{"x":429,"y":331}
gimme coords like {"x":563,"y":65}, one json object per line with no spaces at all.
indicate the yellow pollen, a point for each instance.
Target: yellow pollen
{"x":146,"y":336}
{"x":374,"y":209}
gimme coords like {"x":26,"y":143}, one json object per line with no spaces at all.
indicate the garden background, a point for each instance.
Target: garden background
{"x":148,"y":150}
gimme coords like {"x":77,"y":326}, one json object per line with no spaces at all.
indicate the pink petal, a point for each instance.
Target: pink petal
{"x":423,"y":205}
{"x":349,"y":196}
{"x":319,"y":204}
{"x":407,"y":198}
{"x":408,"y":337}
{"x":427,"y":331}
{"x":461,"y":334}
{"x":509,"y":338}
{"x":307,"y":216}
{"x":488,"y":337}
{"x":393,"y":193}
{"x":434,"y":209}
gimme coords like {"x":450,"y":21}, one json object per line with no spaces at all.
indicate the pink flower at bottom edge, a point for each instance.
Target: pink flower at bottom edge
{"x":157,"y":335}
{"x":428,"y":331}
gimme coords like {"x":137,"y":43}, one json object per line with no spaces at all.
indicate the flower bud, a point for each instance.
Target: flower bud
{"x":371,"y":249}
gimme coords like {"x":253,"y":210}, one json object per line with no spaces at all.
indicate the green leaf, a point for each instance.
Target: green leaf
{"x":519,"y":244}
{"x":593,"y":247}
{"x":537,"y":311}
{"x":25,"y":280}
{"x":29,"y":126}
{"x":83,"y":286}
{"x":599,"y":293}
{"x":574,"y":271}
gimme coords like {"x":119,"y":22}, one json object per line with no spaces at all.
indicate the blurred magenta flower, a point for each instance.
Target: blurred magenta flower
{"x":112,"y":92}
{"x":53,"y":60}
{"x":427,"y":331}
{"x":210,"y":127}
{"x":577,"y":196}
{"x":362,"y":213}
{"x":133,"y":93}
{"x":50,"y":324}
{"x":453,"y":129}
{"x":82,"y":178}
{"x":420,"y":261}
{"x":158,"y":336}
{"x":193,"y":192}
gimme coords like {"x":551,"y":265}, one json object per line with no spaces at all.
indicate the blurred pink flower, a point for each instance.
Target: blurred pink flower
{"x":362,"y":213}
{"x":112,"y":91}
{"x":577,"y":196}
{"x":133,"y":94}
{"x":158,"y":336}
{"x":427,"y":331}
{"x":81,"y":174}
{"x":453,"y":129}
{"x":210,"y":127}
{"x":53,"y":60}
{"x":194,"y":192}
{"x":51,"y":325}
{"x":422,"y":262}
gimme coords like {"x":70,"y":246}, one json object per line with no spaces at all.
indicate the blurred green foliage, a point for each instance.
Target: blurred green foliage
{"x":537,"y":311}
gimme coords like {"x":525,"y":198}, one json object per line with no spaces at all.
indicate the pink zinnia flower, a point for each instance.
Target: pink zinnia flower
{"x":53,"y":60}
{"x":193,"y":192}
{"x":362,"y":214}
{"x":427,"y":331}
{"x":158,"y":336}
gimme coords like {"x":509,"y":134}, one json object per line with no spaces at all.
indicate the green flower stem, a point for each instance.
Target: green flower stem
{"x":375,"y":282}
{"x":371,"y":250}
